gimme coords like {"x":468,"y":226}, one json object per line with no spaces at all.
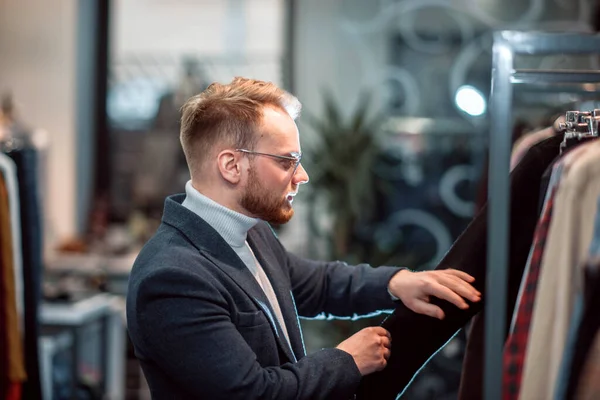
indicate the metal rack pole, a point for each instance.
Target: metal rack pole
{"x":541,"y":77}
{"x":506,"y":45}
{"x":498,"y":226}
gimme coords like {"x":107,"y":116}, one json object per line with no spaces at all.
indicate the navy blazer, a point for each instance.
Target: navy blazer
{"x":202,"y":327}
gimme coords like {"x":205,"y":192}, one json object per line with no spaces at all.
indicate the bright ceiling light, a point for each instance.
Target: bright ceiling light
{"x":470,"y":100}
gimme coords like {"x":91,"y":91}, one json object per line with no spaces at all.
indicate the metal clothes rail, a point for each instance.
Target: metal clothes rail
{"x":505,"y":80}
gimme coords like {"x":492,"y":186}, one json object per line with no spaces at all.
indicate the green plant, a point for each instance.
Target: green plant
{"x":340,"y":160}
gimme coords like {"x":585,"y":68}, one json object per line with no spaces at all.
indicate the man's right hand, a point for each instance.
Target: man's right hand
{"x":370,"y":349}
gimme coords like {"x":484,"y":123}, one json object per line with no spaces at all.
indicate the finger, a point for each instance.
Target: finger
{"x":387,"y":353}
{"x":383,"y":364}
{"x":381,"y":331}
{"x":461,"y":274}
{"x":444,"y":293}
{"x":422,"y":307}
{"x":386,"y":342}
{"x":460,"y":287}
{"x":460,"y":281}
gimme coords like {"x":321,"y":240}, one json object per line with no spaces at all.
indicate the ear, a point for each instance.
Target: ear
{"x":229,"y":164}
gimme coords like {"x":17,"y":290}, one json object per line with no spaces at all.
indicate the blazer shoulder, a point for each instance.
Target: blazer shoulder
{"x":167,"y":249}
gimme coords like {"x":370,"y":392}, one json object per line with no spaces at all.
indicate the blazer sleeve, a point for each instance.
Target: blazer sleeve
{"x":333,"y":288}
{"x":339,"y":289}
{"x":183,"y":320}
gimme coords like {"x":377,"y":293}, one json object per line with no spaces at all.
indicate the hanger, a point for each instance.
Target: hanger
{"x":13,"y":136}
{"x":579,"y":125}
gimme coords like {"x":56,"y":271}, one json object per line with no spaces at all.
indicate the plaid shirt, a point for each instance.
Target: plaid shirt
{"x":516,"y":343}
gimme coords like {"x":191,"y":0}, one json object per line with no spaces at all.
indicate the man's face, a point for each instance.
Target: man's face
{"x":272,"y":183}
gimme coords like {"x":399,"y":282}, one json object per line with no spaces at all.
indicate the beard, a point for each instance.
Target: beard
{"x":265,"y":204}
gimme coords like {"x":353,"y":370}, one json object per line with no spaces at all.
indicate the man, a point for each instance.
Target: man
{"x":214,"y":298}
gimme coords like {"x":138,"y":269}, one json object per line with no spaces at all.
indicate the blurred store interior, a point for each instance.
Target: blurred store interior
{"x":91,"y":91}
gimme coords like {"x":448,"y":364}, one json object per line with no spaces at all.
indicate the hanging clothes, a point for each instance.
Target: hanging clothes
{"x":584,"y":367}
{"x":583,"y":317}
{"x":516,"y":342}
{"x":526,"y":142}
{"x":588,"y":387}
{"x":417,"y":337}
{"x":13,"y":350}
{"x":570,"y":235}
{"x":581,"y":363}
{"x":25,"y":159}
{"x":8,"y":170}
{"x":587,"y":383}
{"x":523,"y":221}
{"x":16,"y":144}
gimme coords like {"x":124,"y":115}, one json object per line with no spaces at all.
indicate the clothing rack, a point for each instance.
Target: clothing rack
{"x":505,"y":81}
{"x":27,"y":249}
{"x":580,"y":124}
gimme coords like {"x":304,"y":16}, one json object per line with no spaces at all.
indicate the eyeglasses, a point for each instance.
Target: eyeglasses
{"x":293,"y":159}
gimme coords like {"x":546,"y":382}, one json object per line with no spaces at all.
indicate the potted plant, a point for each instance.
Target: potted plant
{"x":342,"y":184}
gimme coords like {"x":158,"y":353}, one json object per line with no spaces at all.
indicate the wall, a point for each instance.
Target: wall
{"x":328,"y":57}
{"x":213,"y":30}
{"x":205,"y":26}
{"x":38,"y":65}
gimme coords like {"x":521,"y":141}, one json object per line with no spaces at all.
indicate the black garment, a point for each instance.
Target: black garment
{"x":588,"y":328}
{"x":570,"y":145}
{"x":481,"y":196}
{"x":416,"y":338}
{"x":31,"y":242}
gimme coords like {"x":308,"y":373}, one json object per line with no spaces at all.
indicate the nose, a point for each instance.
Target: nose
{"x":300,"y":176}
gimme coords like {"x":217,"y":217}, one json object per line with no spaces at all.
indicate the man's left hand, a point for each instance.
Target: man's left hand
{"x":415,"y":288}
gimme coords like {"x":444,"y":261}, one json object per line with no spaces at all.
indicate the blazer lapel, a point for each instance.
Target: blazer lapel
{"x":216,"y":249}
{"x":281,"y":288}
{"x":244,"y":279}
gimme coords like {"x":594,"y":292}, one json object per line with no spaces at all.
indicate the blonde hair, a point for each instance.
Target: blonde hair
{"x":229,"y":114}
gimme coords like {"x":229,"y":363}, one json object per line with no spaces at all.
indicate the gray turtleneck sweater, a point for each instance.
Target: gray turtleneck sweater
{"x":233,"y":227}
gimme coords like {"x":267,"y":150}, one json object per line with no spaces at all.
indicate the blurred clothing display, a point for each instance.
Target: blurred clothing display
{"x":12,"y":359}
{"x":21,"y":259}
{"x":31,"y":240}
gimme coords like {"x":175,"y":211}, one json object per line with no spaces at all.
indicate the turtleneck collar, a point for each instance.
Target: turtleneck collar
{"x":231,"y":225}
